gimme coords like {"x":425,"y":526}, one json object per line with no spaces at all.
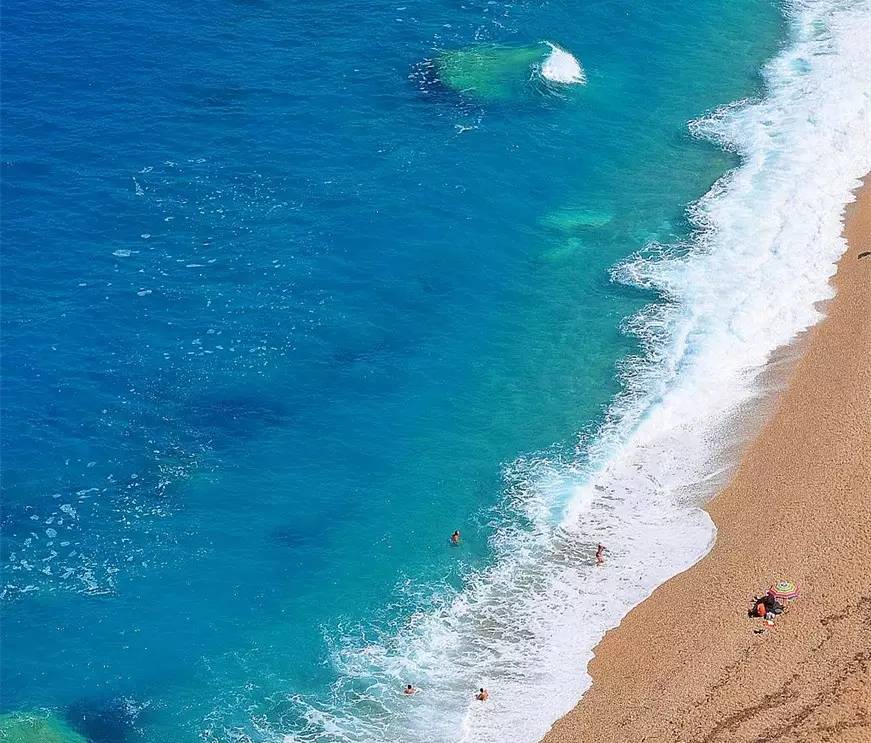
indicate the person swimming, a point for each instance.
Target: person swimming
{"x":455,"y":537}
{"x":483,"y":695}
{"x":409,"y":690}
{"x":600,"y":554}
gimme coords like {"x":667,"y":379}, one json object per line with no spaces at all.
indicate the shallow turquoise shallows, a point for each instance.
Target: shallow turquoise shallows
{"x":291,"y":291}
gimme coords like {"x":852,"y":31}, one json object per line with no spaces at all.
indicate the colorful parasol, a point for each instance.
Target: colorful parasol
{"x":783,"y":590}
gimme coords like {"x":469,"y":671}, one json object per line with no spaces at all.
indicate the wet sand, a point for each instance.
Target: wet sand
{"x":685,"y":665}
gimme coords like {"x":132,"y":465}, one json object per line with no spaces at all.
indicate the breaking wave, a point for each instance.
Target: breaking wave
{"x":562,"y":67}
{"x":766,"y":240}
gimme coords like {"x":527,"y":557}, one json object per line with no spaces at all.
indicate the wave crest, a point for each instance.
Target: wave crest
{"x":562,"y":67}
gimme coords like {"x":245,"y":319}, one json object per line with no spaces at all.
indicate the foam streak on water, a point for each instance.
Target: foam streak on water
{"x":768,"y":236}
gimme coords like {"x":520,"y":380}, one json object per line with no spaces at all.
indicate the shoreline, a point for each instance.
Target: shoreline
{"x":685,"y":664}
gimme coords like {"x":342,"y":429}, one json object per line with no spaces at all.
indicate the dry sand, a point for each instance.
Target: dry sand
{"x":685,"y":665}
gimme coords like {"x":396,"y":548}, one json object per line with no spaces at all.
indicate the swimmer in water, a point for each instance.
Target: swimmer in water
{"x":455,"y":537}
{"x":600,"y":554}
{"x":483,"y":695}
{"x":409,"y":690}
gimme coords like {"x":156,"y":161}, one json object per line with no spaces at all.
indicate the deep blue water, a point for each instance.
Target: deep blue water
{"x":278,"y":312}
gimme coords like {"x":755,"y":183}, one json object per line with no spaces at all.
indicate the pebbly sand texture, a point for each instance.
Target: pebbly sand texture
{"x":685,"y":665}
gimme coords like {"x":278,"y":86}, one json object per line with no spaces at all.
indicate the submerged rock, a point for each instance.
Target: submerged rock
{"x":495,"y":72}
{"x":36,"y":727}
{"x":104,"y":720}
{"x":564,"y":251}
{"x":569,"y":220}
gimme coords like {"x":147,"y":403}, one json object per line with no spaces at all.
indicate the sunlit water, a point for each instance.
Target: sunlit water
{"x":282,"y":309}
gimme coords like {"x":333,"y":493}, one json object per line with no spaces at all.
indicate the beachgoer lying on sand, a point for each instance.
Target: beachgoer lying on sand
{"x":759,"y":608}
{"x":600,"y":554}
{"x":455,"y":537}
{"x":764,"y":605}
{"x":409,"y":690}
{"x":483,"y":695}
{"x":772,"y":604}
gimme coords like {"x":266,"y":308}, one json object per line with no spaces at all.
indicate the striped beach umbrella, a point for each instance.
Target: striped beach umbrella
{"x":783,"y":590}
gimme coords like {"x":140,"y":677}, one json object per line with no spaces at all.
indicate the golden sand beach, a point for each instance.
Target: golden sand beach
{"x":685,"y":665}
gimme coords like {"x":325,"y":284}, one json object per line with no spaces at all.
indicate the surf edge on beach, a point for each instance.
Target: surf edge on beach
{"x":686,"y":664}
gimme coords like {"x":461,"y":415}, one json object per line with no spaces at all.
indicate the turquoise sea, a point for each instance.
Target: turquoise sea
{"x":291,"y":291}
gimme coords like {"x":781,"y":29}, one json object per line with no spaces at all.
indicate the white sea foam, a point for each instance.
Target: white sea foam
{"x":562,"y":67}
{"x":768,"y":236}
